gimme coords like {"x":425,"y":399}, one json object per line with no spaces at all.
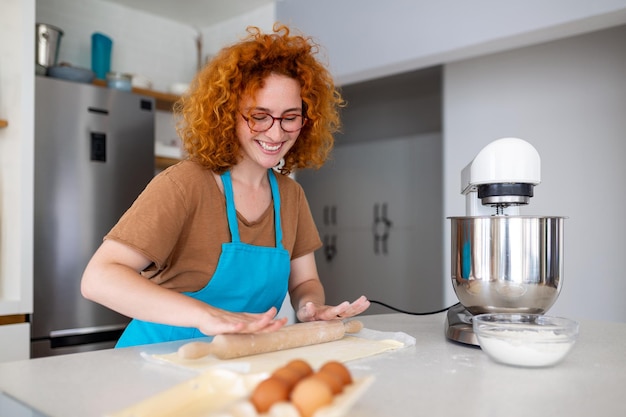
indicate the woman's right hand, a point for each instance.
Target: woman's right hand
{"x":221,"y":321}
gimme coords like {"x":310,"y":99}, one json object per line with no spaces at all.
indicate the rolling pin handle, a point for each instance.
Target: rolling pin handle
{"x":353,"y":326}
{"x":194,"y":350}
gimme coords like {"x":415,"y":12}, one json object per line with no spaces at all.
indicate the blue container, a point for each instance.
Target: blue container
{"x":101,"y":46}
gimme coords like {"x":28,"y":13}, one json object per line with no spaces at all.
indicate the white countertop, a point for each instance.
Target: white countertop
{"x":435,"y":377}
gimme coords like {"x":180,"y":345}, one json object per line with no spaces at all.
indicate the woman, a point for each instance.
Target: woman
{"x":214,"y":243}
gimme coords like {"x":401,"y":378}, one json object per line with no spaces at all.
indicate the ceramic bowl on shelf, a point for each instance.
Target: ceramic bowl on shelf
{"x":119,"y":81}
{"x":69,"y":73}
{"x":178,"y":88}
{"x":525,"y":340}
{"x":141,"y":81}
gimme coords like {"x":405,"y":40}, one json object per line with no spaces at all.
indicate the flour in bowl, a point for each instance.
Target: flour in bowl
{"x":526,"y":348}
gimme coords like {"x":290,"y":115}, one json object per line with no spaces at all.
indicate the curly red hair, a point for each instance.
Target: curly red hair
{"x":207,"y":113}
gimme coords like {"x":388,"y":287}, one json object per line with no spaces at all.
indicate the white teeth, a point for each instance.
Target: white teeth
{"x":267,"y":147}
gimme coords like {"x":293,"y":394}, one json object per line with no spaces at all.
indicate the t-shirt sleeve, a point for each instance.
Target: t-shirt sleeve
{"x":154,"y":221}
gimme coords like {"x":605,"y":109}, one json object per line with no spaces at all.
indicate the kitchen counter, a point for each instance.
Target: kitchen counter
{"x":435,"y":377}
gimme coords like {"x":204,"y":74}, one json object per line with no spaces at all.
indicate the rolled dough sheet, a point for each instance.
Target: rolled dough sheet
{"x":361,"y":345}
{"x":223,"y":393}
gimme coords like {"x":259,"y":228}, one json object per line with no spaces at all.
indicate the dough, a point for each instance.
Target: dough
{"x":344,"y":350}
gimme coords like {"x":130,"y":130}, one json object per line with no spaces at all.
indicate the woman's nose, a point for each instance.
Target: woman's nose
{"x":275,"y":131}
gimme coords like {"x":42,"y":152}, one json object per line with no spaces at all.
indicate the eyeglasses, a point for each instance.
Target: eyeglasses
{"x":262,"y":122}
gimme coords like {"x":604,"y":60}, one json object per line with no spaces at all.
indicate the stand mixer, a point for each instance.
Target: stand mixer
{"x":502,"y":262}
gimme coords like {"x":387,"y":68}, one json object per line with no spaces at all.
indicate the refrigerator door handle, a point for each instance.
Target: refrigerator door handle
{"x":86,"y":330}
{"x":85,"y":336}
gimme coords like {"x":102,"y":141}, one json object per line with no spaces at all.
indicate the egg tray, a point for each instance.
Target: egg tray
{"x":225,"y":393}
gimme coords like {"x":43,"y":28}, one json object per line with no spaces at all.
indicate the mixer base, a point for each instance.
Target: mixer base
{"x":459,"y":326}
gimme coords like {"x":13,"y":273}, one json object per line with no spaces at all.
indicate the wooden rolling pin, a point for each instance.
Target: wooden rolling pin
{"x":229,"y":346}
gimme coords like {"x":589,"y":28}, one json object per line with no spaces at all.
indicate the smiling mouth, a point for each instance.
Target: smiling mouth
{"x":268,"y":147}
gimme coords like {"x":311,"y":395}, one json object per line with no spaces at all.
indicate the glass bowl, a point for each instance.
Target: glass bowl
{"x":525,"y":340}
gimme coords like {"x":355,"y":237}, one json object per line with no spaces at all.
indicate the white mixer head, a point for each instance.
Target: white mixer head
{"x":502,"y":175}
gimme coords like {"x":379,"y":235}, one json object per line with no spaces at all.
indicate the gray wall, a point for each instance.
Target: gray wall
{"x":567,"y":98}
{"x":394,"y":106}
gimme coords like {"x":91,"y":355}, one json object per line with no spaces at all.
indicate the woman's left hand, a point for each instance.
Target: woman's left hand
{"x":312,"y":312}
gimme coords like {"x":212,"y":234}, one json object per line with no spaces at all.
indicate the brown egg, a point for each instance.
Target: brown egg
{"x":289,"y":375}
{"x":339,"y":369}
{"x":268,"y":392}
{"x":333,"y":381}
{"x":301,"y":366}
{"x":310,"y":394}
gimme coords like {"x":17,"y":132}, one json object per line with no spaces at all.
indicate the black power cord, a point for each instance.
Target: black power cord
{"x":411,"y":312}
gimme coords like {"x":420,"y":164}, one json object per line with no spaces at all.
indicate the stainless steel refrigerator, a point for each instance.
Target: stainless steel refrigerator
{"x":94,"y":154}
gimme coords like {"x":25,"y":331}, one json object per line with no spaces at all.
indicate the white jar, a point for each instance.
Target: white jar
{"x":119,"y":81}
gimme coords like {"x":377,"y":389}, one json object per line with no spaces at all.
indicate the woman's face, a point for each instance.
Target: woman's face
{"x":279,"y":97}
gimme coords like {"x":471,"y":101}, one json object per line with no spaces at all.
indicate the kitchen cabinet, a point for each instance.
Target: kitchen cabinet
{"x":377,"y":206}
{"x":15,"y":340}
{"x":377,"y":202}
{"x":15,"y":335}
{"x":17,"y":74}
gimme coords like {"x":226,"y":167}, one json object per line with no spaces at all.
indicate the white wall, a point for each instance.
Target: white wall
{"x":367,"y":39}
{"x":17,"y":70}
{"x":229,"y":31}
{"x":160,"y":49}
{"x":567,"y":98}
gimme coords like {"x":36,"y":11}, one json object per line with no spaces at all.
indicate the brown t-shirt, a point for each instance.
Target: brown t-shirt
{"x":179,"y":222}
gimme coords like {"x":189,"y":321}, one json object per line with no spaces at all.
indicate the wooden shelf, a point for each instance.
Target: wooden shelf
{"x":13,"y":319}
{"x":163,"y":101}
{"x":3,"y":123}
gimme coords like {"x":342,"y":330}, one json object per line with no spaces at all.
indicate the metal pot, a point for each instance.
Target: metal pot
{"x":48,"y":41}
{"x":507,"y":264}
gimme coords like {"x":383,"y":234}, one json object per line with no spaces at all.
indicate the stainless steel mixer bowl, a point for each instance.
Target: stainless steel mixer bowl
{"x":507,"y":264}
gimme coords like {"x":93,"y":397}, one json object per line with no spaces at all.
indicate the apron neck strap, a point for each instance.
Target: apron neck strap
{"x":231,"y":211}
{"x":276,"y":198}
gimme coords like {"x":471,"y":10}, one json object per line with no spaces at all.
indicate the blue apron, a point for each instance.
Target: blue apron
{"x":247,"y":278}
